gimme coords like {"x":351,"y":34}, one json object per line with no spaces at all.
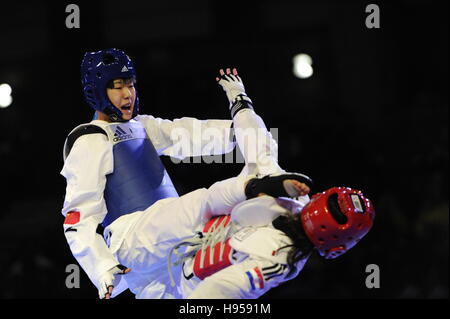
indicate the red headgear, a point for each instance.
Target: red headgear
{"x":336,"y":219}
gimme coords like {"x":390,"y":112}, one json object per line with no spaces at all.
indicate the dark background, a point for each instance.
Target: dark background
{"x":374,"y":116}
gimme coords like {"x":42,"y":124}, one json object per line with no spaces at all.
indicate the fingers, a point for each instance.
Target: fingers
{"x":302,"y":188}
{"x":295,"y":188}
{"x":109,"y":293}
{"x":108,"y":286}
{"x":120,"y":269}
{"x":222,"y":76}
{"x":227,"y":71}
{"x":126,"y":271}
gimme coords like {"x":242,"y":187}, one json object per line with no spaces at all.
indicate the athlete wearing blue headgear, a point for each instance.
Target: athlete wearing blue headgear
{"x":112,"y":165}
{"x":98,"y":70}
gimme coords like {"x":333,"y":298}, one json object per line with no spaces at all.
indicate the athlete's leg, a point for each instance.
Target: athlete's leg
{"x":260,"y":152}
{"x":222,"y":196}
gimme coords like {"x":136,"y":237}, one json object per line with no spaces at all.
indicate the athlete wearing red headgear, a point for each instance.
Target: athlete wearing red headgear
{"x":265,"y":240}
{"x":232,"y":240}
{"x":336,"y":220}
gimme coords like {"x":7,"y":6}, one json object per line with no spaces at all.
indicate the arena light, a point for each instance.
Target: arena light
{"x":5,"y":95}
{"x":302,"y":66}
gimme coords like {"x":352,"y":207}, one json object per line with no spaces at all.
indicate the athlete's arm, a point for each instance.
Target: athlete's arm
{"x":85,"y":170}
{"x":188,"y":136}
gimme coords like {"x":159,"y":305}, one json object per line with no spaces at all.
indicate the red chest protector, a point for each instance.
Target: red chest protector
{"x":216,"y":253}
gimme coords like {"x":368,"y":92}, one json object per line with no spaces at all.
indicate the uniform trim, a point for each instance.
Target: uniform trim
{"x":240,"y":105}
{"x":273,"y":271}
{"x":256,"y":278}
{"x":78,"y":132}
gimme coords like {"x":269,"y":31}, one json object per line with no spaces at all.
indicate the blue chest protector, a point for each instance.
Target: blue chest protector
{"x":139,"y":178}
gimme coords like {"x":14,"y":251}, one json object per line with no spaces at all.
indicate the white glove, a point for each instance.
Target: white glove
{"x":109,"y":280}
{"x":232,"y":85}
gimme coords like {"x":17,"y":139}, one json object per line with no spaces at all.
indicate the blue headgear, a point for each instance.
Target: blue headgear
{"x":97,"y":69}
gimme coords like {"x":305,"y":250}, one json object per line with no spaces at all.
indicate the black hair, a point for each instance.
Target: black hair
{"x":302,"y":247}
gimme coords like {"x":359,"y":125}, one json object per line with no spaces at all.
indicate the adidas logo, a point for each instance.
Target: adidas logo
{"x":120,"y":135}
{"x":124,"y":69}
{"x":119,"y":131}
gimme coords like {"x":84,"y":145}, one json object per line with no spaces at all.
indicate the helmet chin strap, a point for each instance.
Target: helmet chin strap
{"x":113,"y":117}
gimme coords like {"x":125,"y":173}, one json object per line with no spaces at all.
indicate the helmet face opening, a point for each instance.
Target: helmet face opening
{"x":335,"y":210}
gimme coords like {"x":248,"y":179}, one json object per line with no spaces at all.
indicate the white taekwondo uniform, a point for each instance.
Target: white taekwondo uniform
{"x":256,"y":263}
{"x":92,"y":164}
